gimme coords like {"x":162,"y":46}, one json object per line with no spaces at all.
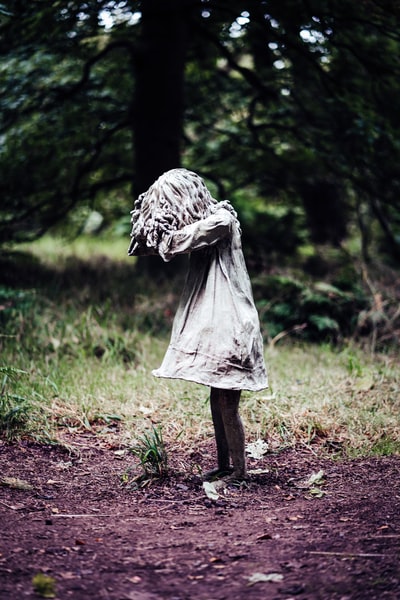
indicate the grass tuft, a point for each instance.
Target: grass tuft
{"x":151,"y":452}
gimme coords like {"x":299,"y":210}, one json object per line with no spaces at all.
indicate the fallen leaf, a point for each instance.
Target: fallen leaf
{"x":364,"y":384}
{"x":68,"y":575}
{"x":264,"y":536}
{"x":215,"y":559}
{"x":210,"y":490}
{"x":261,"y":577}
{"x":258,"y":471}
{"x":15,"y":483}
{"x":55,"y":343}
{"x":316,"y":479}
{"x":119,"y":453}
{"x":317,"y":492}
{"x":257,"y":449}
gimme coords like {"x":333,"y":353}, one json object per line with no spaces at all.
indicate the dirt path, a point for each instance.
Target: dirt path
{"x":282,"y":537}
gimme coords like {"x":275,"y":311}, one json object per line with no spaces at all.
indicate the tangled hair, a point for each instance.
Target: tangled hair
{"x":177,"y":198}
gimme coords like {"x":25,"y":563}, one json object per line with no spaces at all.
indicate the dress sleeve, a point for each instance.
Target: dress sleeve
{"x":195,"y":236}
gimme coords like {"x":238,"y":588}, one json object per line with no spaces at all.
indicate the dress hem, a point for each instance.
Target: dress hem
{"x":217,"y":384}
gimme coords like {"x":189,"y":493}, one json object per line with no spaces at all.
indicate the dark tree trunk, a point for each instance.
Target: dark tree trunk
{"x":326,"y":211}
{"x":159,"y":103}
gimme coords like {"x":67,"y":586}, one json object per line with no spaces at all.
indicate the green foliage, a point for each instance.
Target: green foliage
{"x":14,"y":409}
{"x":318,"y":311}
{"x":385,"y":446}
{"x":14,"y":303}
{"x":292,"y":113}
{"x":152,"y":455}
{"x":62,"y":127}
{"x":44,"y":586}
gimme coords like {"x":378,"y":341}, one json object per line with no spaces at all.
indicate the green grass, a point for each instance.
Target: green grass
{"x":82,"y":341}
{"x":58,"y":250}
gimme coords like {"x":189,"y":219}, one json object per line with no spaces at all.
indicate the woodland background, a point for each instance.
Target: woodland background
{"x":289,"y":109}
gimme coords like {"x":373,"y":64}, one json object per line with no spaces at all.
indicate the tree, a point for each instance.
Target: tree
{"x":289,"y":108}
{"x":65,"y":113}
{"x":316,"y":122}
{"x":159,"y":80}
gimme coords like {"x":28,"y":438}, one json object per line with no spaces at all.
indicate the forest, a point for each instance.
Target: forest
{"x":289,"y":109}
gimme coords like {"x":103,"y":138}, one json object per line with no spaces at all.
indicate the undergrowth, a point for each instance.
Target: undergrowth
{"x":151,"y":452}
{"x":79,"y":340}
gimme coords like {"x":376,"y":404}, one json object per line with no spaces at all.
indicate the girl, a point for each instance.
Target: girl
{"x":216,"y":339}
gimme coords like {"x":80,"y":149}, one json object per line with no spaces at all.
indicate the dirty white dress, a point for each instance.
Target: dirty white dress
{"x":216,"y":338}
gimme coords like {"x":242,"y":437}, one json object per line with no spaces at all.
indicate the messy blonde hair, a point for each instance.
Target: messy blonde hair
{"x":177,"y":198}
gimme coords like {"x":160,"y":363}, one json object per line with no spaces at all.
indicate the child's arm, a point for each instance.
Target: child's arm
{"x":200,"y":234}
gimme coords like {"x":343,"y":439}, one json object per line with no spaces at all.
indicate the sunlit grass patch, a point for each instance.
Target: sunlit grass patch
{"x":59,"y":250}
{"x":317,"y":397}
{"x":87,"y":349}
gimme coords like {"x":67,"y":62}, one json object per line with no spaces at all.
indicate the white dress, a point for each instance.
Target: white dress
{"x":216,"y":339}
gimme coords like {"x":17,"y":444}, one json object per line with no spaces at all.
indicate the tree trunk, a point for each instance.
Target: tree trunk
{"x":159,"y":103}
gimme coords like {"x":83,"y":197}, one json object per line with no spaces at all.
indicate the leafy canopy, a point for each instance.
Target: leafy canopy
{"x":290,"y":109}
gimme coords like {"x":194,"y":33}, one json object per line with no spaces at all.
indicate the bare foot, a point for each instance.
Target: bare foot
{"x":236,"y":477}
{"x":217,"y":474}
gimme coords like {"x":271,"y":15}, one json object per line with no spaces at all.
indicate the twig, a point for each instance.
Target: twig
{"x":346,"y":554}
{"x":65,"y":516}
{"x":8,"y":505}
{"x":282,"y":334}
{"x":88,"y":516}
{"x":383,"y":537}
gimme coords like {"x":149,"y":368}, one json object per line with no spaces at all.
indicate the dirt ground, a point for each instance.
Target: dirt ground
{"x":291,"y":533}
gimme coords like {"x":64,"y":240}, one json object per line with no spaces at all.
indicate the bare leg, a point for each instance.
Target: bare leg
{"x":229,"y":434}
{"x":234,"y":432}
{"x":220,"y":438}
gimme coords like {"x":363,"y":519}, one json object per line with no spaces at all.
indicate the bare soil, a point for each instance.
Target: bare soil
{"x":84,"y":525}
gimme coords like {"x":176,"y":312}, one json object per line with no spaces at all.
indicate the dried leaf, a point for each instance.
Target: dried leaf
{"x":364,"y":384}
{"x":317,"y":492}
{"x":68,"y":575}
{"x":316,"y":479}
{"x":258,"y":471}
{"x":261,"y":577}
{"x":119,"y":454}
{"x":56,"y":343}
{"x":15,"y":483}
{"x":210,"y":490}
{"x":257,"y":449}
{"x":264,"y":536}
